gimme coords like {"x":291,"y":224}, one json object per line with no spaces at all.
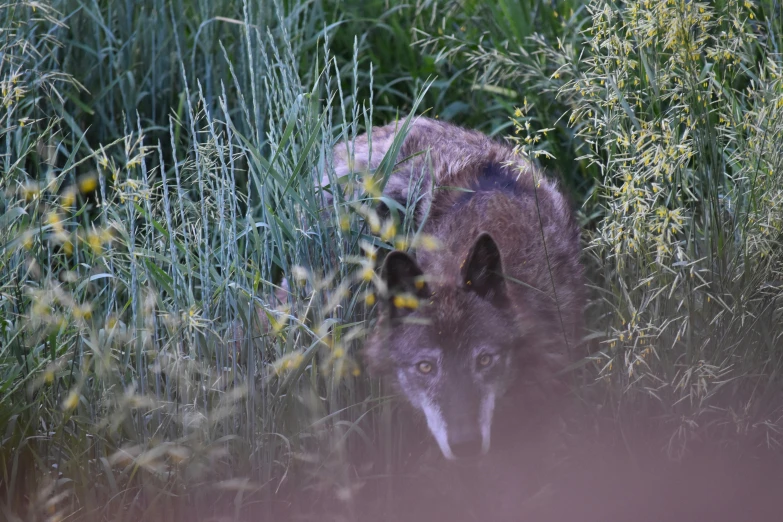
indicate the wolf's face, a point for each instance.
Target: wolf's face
{"x":452,"y":356}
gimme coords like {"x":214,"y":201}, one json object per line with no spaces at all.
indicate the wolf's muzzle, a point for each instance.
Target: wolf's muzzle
{"x":466,"y":447}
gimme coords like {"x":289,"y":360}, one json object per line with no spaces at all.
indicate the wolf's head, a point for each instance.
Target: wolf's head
{"x":448,"y":345}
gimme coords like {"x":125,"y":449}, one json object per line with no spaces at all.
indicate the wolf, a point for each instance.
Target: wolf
{"x":497,"y":310}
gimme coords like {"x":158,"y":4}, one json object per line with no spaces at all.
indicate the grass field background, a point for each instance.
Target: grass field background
{"x":156,"y":165}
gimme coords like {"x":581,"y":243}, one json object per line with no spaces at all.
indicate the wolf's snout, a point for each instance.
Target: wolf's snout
{"x":464,"y":434}
{"x":466,"y":446}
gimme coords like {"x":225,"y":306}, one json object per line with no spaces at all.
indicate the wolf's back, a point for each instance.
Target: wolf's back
{"x":453,"y":156}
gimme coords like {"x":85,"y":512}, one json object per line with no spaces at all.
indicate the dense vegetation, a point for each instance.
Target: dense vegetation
{"x":156,"y":164}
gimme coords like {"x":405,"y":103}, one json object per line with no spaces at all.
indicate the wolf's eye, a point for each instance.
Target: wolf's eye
{"x":424,"y":367}
{"x":484,"y":360}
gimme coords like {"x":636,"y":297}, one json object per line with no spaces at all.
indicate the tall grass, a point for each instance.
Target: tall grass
{"x":152,"y":363}
{"x":496,"y":47}
{"x":180,"y":316}
{"x":681,"y":102}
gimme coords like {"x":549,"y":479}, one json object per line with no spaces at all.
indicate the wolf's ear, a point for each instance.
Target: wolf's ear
{"x":482,"y":272}
{"x":404,"y":279}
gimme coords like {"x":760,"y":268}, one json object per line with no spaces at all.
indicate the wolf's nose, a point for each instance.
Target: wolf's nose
{"x":466,"y":448}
